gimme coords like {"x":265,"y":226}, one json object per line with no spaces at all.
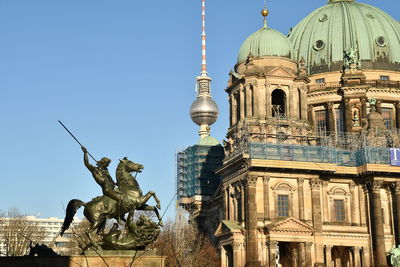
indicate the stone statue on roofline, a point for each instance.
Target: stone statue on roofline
{"x":375,"y":119}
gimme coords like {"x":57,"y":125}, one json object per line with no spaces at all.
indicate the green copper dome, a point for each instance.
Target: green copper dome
{"x":265,"y":42}
{"x":208,"y":141}
{"x":323,"y":36}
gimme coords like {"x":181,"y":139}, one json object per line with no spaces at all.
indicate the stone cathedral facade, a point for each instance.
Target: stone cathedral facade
{"x":309,"y":176}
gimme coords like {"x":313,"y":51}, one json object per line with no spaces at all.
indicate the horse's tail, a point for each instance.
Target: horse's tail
{"x":72,"y":207}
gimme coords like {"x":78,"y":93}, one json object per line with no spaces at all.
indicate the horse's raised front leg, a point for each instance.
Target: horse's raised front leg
{"x":150,"y":194}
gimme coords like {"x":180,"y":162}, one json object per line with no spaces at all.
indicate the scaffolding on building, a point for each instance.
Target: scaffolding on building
{"x":196,"y":178}
{"x":342,"y":149}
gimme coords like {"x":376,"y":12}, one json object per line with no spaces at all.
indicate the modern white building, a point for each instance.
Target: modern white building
{"x":50,"y":227}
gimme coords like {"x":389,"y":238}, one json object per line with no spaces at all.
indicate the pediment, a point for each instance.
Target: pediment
{"x":280,"y":72}
{"x":290,"y":225}
{"x":228,"y":227}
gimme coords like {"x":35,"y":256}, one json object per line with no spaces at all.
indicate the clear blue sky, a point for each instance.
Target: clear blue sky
{"x":121,"y":74}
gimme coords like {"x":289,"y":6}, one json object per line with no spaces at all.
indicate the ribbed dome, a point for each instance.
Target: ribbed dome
{"x":265,"y":42}
{"x":322,"y":36}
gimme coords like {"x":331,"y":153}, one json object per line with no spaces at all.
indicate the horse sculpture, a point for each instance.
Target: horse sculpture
{"x":101,"y":208}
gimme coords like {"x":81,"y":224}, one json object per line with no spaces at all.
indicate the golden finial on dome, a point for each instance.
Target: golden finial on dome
{"x":265,"y":13}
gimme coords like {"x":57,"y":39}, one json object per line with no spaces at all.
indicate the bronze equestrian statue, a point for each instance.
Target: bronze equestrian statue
{"x":119,"y":198}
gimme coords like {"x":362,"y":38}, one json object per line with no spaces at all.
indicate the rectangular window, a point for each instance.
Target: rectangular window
{"x":283,"y":206}
{"x":319,"y":81}
{"x":339,"y":120}
{"x":385,"y":78}
{"x":320,"y":119}
{"x":339,"y":210}
{"x":387,"y":114}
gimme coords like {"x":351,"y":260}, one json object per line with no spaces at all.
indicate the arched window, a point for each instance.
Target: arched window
{"x":339,"y":199}
{"x":278,"y":103}
{"x":283,"y":196}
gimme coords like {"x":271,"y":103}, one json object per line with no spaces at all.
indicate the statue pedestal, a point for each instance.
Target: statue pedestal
{"x":117,"y":258}
{"x":111,"y":258}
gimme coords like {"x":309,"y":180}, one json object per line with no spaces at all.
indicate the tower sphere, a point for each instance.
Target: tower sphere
{"x":322,"y":36}
{"x":204,"y":111}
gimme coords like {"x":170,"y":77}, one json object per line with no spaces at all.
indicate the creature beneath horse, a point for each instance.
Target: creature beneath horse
{"x":101,"y":208}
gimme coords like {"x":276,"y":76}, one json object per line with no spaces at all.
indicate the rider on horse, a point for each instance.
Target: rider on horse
{"x":103,"y":178}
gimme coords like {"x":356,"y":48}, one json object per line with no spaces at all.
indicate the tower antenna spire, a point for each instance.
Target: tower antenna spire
{"x":203,"y":39}
{"x":204,"y":110}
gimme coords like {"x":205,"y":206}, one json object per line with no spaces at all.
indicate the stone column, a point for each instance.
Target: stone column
{"x":266,"y":198}
{"x":308,"y":254}
{"x":267,"y":253}
{"x":325,"y":201}
{"x":310,"y":115}
{"x":251,"y":223}
{"x":397,"y":105}
{"x":331,"y":117}
{"x":355,"y":214}
{"x":300,"y":183}
{"x":302,"y":254}
{"x":237,"y":255}
{"x":295,"y":256}
{"x":233,"y":109}
{"x":231,"y":206}
{"x":396,"y":210}
{"x":365,"y":257}
{"x":226,"y":202}
{"x":378,"y":235}
{"x":273,"y":249}
{"x":356,"y":257}
{"x":317,"y":220}
{"x":292,"y":107}
{"x":351,"y":258}
{"x":328,"y":253}
{"x":261,"y":101}
{"x":268,"y":103}
{"x":223,"y":257}
{"x":242,"y":203}
{"x":361,"y":197}
{"x":242,"y":104}
{"x":249,"y":112}
{"x":231,"y":112}
{"x":303,"y":103}
{"x":348,"y":116}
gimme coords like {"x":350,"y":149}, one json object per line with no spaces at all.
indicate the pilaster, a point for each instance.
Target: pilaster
{"x":237,"y":254}
{"x":328,"y":253}
{"x":300,"y":183}
{"x":396,"y":210}
{"x":356,"y":256}
{"x":317,"y":220}
{"x":331,"y":117}
{"x":355,"y":214}
{"x":251,"y":223}
{"x":266,"y":198}
{"x":378,"y":235}
{"x":273,"y":249}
